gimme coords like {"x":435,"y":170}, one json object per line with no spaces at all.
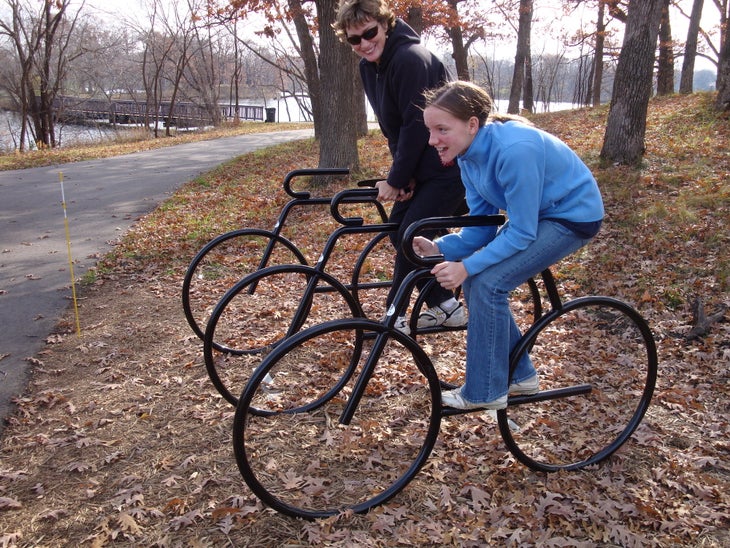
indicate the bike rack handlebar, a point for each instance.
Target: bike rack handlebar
{"x":309,"y":172}
{"x":369,"y":182}
{"x":440,"y":223}
{"x":354,"y":196}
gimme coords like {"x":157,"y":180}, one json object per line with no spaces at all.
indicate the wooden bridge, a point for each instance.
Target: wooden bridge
{"x":184,"y":114}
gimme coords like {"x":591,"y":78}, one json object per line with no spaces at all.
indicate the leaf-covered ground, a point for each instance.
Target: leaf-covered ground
{"x":122,"y":440}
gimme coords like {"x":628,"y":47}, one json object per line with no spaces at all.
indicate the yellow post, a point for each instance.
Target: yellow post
{"x":70,"y":259}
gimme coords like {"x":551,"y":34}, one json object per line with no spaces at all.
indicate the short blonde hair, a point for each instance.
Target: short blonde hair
{"x":357,"y":12}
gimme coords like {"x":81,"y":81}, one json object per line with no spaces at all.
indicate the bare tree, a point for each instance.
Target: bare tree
{"x":327,"y":68}
{"x":235,"y":79}
{"x":157,"y":51}
{"x":202,"y":72}
{"x":665,"y":70}
{"x":548,"y":71}
{"x":723,"y":67}
{"x":686,"y":80}
{"x":180,"y":33}
{"x":597,"y":47}
{"x":521,"y":56}
{"x":598,"y":55}
{"x":459,"y":49}
{"x":623,"y":141}
{"x":105,"y":58}
{"x":114,"y":65}
{"x":25,"y":50}
{"x":44,"y":42}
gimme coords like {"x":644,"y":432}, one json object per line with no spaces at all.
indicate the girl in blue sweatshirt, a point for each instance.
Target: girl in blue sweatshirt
{"x":553,"y":207}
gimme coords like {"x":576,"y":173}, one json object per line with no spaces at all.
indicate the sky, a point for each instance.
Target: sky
{"x":546,"y":10}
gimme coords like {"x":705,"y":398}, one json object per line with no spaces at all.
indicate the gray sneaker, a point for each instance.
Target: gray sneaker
{"x":528,"y":387}
{"x":402,"y":325}
{"x":453,"y":398}
{"x":437,"y":316}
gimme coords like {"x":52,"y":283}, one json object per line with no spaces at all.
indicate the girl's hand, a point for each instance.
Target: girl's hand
{"x":425,"y":247}
{"x":450,"y":274}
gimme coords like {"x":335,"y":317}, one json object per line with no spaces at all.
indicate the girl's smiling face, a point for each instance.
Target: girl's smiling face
{"x":370,"y":49}
{"x":450,"y":135}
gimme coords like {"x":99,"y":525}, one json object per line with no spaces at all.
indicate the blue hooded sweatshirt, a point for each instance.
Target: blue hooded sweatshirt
{"x":529,"y":174}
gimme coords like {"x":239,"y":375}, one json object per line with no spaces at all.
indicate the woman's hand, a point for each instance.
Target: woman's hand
{"x":425,"y":247}
{"x":450,"y":274}
{"x":387,"y":193}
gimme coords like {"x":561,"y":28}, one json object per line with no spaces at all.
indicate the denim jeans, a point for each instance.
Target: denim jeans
{"x":492,"y":331}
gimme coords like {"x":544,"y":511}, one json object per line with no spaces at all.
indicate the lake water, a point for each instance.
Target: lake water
{"x":71,"y":134}
{"x":66,"y":134}
{"x":287,"y":110}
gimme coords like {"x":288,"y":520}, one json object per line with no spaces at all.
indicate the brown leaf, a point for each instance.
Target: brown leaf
{"x":7,"y":503}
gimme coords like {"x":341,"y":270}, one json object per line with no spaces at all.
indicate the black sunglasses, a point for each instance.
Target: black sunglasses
{"x":355,"y":39}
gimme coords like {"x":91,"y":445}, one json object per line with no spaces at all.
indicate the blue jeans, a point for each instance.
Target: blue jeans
{"x":492,"y":330}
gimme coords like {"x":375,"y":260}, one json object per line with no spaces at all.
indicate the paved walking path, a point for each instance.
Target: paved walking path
{"x":103,"y":198}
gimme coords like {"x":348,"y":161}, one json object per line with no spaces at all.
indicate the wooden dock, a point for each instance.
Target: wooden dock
{"x":184,"y":114}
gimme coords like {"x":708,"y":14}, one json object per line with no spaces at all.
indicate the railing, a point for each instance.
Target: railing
{"x":136,"y":112}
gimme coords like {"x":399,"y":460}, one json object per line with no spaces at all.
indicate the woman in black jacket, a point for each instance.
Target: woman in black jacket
{"x":395,"y":70}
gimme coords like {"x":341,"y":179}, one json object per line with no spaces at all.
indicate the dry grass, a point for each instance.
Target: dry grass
{"x":122,"y":440}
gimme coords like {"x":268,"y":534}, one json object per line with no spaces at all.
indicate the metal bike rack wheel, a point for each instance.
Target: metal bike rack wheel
{"x":597,"y":362}
{"x":245,"y":325}
{"x":296,"y":450}
{"x":224,"y":261}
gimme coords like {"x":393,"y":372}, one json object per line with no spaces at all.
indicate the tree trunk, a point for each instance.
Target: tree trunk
{"x":415,"y":18}
{"x":179,"y":68}
{"x":528,"y":93}
{"x":42,"y":109}
{"x":598,"y":58}
{"x":359,"y":101}
{"x":623,"y":142}
{"x":583,"y":87}
{"x":309,"y":58}
{"x":459,"y":52}
{"x":339,"y":127}
{"x":686,"y":80}
{"x":523,"y":46}
{"x":723,"y":66}
{"x":665,"y":73}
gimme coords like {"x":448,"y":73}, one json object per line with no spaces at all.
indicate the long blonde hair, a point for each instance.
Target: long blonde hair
{"x":464,"y":99}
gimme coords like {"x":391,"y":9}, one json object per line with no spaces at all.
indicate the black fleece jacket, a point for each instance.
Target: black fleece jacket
{"x":394,"y":86}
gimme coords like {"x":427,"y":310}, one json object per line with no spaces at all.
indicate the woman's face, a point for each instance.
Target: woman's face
{"x":370,"y":37}
{"x":448,"y":134}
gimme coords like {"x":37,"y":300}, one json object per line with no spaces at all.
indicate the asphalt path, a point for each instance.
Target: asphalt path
{"x":103,"y":199}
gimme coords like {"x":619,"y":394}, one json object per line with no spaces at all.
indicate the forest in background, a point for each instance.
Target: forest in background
{"x":209,"y":52}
